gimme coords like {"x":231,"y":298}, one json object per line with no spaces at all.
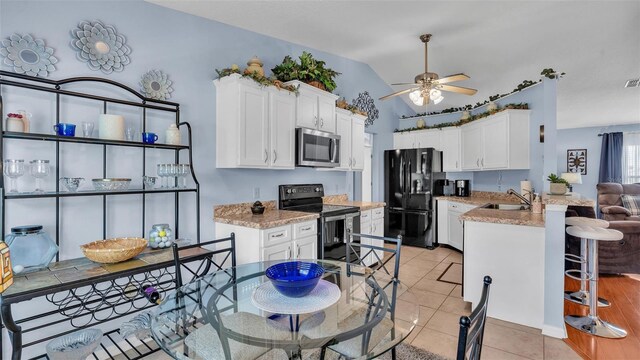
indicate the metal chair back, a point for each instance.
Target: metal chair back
{"x":212,"y":261}
{"x":472,"y":327}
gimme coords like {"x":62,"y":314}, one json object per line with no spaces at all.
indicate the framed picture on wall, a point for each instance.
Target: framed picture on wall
{"x":577,"y":161}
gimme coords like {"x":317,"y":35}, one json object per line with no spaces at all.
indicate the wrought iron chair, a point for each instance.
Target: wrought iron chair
{"x":360,"y":344}
{"x":472,"y":327}
{"x":208,"y":340}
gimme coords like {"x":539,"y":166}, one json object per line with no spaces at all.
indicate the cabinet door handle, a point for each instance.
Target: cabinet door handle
{"x":321,"y":122}
{"x":456,"y":164}
{"x":478,"y":162}
{"x":278,"y":235}
{"x":298,"y":251}
{"x":350,"y":161}
{"x":266,"y":155}
{"x":315,"y":121}
{"x":306,"y":229}
{"x":354,"y":161}
{"x":289,"y":253}
{"x":482,"y":162}
{"x":275,"y":156}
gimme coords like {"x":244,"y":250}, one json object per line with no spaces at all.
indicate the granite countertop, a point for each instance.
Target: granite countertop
{"x":510,"y":217}
{"x":572,"y":199}
{"x":240,"y":214}
{"x":343,"y":199}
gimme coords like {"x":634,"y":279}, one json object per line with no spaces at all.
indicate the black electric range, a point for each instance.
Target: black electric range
{"x":335,"y":220}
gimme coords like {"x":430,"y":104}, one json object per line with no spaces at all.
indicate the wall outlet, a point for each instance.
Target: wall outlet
{"x":256,"y":193}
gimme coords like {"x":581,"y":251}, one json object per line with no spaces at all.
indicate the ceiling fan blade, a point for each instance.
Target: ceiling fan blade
{"x":398,"y":93}
{"x":398,"y":84}
{"x":458,"y":89}
{"x":452,"y":78}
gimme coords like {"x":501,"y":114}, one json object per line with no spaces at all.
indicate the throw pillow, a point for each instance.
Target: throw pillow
{"x":632,"y":202}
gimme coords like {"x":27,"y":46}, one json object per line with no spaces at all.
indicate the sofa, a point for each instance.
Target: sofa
{"x":610,"y":201}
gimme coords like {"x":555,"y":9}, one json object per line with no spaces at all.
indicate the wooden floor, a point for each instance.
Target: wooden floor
{"x":624,"y":294}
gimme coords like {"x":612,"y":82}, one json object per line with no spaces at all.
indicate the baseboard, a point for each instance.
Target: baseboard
{"x":554,"y":331}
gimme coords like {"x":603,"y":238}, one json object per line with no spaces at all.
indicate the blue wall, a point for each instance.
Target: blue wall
{"x":188,"y":48}
{"x":586,"y":138}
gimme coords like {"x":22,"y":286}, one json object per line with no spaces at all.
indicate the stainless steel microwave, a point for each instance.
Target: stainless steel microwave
{"x":317,"y":148}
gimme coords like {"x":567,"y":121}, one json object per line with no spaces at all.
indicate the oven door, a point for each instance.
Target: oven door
{"x":317,"y":148}
{"x":334,"y":234}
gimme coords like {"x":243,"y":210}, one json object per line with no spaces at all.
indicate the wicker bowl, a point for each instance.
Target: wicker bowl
{"x":113,"y":250}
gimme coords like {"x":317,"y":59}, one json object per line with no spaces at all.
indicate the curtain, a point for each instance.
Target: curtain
{"x":611,"y":158}
{"x":631,"y":158}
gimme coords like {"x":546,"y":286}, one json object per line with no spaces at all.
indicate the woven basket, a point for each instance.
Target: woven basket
{"x":113,"y":250}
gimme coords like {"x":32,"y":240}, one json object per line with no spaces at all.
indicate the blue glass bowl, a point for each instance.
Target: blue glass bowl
{"x":295,"y":278}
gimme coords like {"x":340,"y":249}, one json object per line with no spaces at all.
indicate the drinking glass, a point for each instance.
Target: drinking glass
{"x":185,"y":169}
{"x":39,"y":170}
{"x":173,"y":172}
{"x":162,"y":173}
{"x":130,"y":134}
{"x":87,"y":129}
{"x":13,"y":169}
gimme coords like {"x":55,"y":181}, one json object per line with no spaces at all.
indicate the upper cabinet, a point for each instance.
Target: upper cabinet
{"x":316,"y":109}
{"x":497,"y":142}
{"x":255,"y":126}
{"x":350,"y":127}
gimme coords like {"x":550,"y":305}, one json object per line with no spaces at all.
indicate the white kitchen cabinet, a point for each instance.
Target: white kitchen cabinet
{"x":372,"y":223}
{"x":316,"y":109}
{"x":450,"y":227}
{"x":350,"y":127}
{"x":255,"y":126}
{"x":403,"y":140}
{"x":471,"y":140}
{"x":501,"y":141}
{"x":427,"y":139}
{"x":450,"y":147}
{"x":288,"y":242}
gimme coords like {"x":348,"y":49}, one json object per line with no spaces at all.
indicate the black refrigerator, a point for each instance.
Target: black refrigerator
{"x":410,"y":175}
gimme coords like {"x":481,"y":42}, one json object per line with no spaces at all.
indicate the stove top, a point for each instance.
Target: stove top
{"x":325,"y":209}
{"x":308,"y":198}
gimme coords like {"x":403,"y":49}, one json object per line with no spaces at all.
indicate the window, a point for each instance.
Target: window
{"x":631,"y":158}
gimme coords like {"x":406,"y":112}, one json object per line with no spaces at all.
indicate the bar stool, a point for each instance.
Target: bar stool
{"x":582,"y":296}
{"x":592,"y":324}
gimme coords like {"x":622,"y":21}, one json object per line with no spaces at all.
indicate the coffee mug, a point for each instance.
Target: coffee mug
{"x":149,"y":138}
{"x":63,"y":129}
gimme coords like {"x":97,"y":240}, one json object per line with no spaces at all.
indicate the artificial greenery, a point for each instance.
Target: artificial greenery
{"x":261,"y":80}
{"x":555,"y":179}
{"x":548,"y":73}
{"x":518,"y":106}
{"x":308,"y":70}
{"x":343,"y":104}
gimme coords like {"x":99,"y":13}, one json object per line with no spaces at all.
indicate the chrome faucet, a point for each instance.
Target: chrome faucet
{"x":524,"y":199}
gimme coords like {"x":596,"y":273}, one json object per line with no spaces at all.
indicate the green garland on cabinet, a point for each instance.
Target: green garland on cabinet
{"x":548,"y":73}
{"x":518,"y":106}
{"x":263,"y":81}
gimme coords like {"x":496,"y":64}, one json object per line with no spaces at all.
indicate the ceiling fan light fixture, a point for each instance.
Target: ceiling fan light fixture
{"x":416,"y":97}
{"x":437,"y":100}
{"x":436,"y":96}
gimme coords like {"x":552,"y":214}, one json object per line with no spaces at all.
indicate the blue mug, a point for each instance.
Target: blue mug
{"x":63,"y":129}
{"x":149,"y":138}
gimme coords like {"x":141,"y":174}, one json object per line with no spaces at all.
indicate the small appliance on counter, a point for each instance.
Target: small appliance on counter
{"x":463,"y":188}
{"x":444,"y":187}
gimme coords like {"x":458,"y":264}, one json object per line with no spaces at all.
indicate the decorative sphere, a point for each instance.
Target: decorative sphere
{"x":420,"y":123}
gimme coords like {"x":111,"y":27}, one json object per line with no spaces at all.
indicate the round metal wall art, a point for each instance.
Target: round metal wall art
{"x":364,"y":102}
{"x":100,"y":46}
{"x":27,"y":55}
{"x":156,"y":85}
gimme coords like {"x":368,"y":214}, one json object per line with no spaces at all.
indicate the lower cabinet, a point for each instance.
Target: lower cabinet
{"x":450,"y":228}
{"x":372,"y":223}
{"x":288,"y":242}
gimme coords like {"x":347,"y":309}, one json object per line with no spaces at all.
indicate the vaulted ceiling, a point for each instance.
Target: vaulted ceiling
{"x":498,"y":44}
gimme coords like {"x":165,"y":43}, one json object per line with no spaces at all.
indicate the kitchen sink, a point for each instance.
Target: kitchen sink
{"x":506,"y":206}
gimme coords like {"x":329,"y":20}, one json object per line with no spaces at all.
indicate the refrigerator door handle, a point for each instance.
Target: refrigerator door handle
{"x":402,"y":175}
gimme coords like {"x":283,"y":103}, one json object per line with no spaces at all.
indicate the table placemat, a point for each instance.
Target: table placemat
{"x":267,"y":298}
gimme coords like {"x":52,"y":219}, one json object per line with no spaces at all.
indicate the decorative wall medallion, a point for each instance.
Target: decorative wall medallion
{"x":27,"y":55}
{"x":156,"y":85}
{"x":364,"y":102}
{"x":100,"y":46}
{"x":577,"y":161}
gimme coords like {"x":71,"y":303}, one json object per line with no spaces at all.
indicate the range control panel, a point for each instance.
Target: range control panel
{"x":306,"y":191}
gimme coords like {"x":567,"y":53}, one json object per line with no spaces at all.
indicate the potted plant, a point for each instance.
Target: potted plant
{"x":558,"y":185}
{"x":309,"y":70}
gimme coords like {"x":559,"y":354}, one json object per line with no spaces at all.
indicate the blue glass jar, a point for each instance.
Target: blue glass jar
{"x":30,"y":248}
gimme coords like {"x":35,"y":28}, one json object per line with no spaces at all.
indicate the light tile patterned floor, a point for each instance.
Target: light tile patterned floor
{"x":441,"y":306}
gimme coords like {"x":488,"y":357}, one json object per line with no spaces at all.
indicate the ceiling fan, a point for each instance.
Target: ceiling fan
{"x":428,"y":86}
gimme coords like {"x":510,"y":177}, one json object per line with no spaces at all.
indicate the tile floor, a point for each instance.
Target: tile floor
{"x":441,"y":306}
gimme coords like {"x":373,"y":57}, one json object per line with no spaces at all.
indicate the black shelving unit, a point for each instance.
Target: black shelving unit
{"x":59,"y":88}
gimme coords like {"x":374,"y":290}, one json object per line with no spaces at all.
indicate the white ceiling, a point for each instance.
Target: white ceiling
{"x":498,"y":44}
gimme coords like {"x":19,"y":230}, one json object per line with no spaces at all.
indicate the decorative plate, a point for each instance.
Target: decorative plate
{"x":28,"y":55}
{"x":100,"y":46}
{"x":156,"y":85}
{"x":267,"y":298}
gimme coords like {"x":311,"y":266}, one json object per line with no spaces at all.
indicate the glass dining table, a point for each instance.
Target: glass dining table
{"x":218,"y":316}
